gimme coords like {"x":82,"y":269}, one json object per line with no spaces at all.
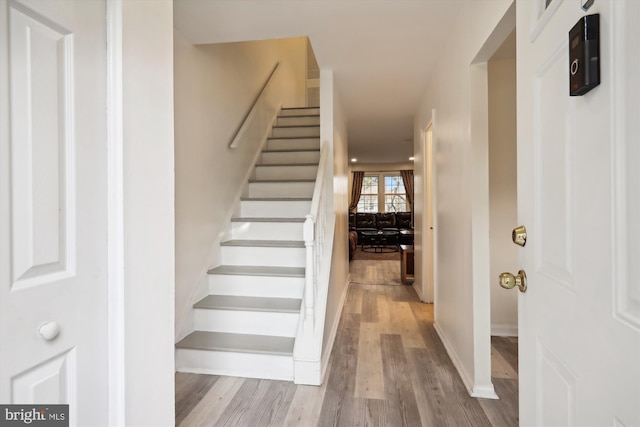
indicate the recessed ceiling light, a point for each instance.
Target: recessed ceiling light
{"x":354,"y":160}
{"x":411,"y":158}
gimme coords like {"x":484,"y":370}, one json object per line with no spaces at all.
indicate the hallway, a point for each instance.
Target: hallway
{"x":388,"y":368}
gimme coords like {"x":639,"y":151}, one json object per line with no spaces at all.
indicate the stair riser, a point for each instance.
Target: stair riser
{"x":286,"y":172}
{"x":281,"y":189}
{"x":256,"y":286}
{"x":298,"y":121}
{"x":274,"y":209}
{"x":293,"y":144}
{"x":299,"y":111}
{"x":286,"y":157}
{"x":247,"y":365}
{"x":265,"y":231}
{"x":246,"y":322}
{"x":295,"y":132}
{"x":276,"y":257}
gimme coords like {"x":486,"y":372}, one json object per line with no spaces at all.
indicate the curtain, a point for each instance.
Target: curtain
{"x":407,"y":178}
{"x":356,"y":190}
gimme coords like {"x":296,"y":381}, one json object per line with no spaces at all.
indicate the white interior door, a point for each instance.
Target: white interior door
{"x":579,"y":197}
{"x":53,"y":250}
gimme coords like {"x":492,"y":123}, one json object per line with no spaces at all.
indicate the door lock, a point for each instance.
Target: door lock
{"x":519,"y":235}
{"x":509,"y":281}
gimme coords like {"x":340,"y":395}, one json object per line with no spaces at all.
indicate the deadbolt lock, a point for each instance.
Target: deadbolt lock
{"x":509,"y":281}
{"x":519,"y":235}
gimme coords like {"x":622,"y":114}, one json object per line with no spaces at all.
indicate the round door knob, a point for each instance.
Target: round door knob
{"x":509,"y":281}
{"x":49,"y":330}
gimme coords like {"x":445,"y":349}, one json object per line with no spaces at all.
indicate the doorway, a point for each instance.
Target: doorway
{"x":503,"y":214}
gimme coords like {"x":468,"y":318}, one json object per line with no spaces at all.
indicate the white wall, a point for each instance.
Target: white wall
{"x":503,"y":180}
{"x":449,"y":93}
{"x":338,"y":280}
{"x":147,"y":62}
{"x":215,"y":85}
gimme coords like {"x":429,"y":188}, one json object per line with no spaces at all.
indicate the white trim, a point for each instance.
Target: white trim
{"x":479,"y":190}
{"x":504,"y":330}
{"x":115,"y":215}
{"x":541,"y":17}
{"x":430,"y":176}
{"x":485,"y":391}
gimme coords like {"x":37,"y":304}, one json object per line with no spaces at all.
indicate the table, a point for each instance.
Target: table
{"x":380,"y":240}
{"x":406,"y":263}
{"x":406,"y":237}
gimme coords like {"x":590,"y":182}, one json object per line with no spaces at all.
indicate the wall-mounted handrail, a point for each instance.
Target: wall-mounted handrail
{"x":246,"y":121}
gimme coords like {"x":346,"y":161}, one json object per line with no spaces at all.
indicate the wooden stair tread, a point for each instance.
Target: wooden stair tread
{"x":243,"y":303}
{"x":272,"y":138}
{"x":295,"y":126}
{"x":280,"y":165}
{"x":242,"y":343}
{"x":265,"y":243}
{"x":293,"y":150}
{"x":258,"y":270}
{"x":266,"y":219}
{"x":281,"y":180}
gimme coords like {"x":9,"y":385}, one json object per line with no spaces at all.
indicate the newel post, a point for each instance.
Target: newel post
{"x":309,"y":303}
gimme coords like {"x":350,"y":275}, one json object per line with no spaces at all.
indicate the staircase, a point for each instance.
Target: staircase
{"x":246,"y":325}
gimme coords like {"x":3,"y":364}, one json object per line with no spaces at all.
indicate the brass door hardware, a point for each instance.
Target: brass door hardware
{"x":519,"y":235}
{"x":509,"y":281}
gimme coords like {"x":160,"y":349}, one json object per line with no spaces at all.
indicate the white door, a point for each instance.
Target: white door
{"x":53,"y":246}
{"x":579,"y":198}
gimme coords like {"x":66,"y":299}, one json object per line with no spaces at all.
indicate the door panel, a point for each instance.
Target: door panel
{"x":553,"y":159}
{"x":579,"y":333}
{"x":53,"y":250}
{"x":626,"y":128}
{"x":40,"y":148}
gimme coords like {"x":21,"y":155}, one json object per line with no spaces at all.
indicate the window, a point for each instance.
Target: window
{"x":369,"y":198}
{"x":395,"y":196}
{"x":383,"y":193}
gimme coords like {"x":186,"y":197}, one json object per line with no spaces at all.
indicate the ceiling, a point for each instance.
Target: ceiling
{"x":381,"y":52}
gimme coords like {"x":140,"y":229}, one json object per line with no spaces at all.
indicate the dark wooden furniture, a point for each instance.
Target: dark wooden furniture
{"x":380,"y":240}
{"x":406,"y":237}
{"x":406,"y":263}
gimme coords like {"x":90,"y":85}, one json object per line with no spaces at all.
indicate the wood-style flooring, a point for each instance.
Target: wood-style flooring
{"x":388,"y":367}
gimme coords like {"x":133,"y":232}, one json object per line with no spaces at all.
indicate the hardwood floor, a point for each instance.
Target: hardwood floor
{"x":388,"y":368}
{"x":370,"y":272}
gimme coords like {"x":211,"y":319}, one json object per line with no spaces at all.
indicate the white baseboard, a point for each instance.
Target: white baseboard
{"x":504,"y":330}
{"x":481,"y":391}
{"x":484,"y":392}
{"x":418,"y":290}
{"x":307,"y":372}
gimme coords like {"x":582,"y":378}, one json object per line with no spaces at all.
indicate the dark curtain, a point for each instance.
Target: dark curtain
{"x":356,"y":190}
{"x":407,"y":178}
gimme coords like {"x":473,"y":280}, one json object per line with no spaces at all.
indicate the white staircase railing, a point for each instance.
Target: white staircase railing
{"x":318,"y":240}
